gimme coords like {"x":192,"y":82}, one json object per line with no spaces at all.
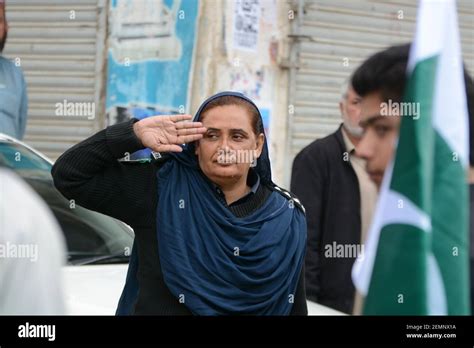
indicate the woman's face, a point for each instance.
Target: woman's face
{"x":229,"y":145}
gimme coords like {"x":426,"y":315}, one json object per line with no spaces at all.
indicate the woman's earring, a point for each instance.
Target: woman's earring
{"x":253,"y":163}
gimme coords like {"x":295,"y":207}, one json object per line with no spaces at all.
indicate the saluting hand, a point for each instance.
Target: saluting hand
{"x":166,"y":133}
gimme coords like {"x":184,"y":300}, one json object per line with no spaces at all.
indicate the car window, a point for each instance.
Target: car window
{"x":81,"y":238}
{"x":91,"y":237}
{"x":18,"y":157}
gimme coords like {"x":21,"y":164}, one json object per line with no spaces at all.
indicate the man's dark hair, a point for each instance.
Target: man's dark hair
{"x":383,"y":72}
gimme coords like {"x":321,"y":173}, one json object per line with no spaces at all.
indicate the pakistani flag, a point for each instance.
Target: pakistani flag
{"x":416,"y":255}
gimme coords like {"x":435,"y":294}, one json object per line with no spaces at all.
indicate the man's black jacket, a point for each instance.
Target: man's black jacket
{"x":325,"y":182}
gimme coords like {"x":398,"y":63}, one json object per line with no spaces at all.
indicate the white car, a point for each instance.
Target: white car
{"x":98,"y":245}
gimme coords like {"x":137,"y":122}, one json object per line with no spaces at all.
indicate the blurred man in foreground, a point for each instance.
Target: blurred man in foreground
{"x":382,"y":78}
{"x":32,"y":251}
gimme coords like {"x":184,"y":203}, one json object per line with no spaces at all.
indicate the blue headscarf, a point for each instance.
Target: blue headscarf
{"x":217,"y":263}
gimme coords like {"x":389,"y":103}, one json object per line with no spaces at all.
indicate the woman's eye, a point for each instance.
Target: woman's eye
{"x":211,"y":136}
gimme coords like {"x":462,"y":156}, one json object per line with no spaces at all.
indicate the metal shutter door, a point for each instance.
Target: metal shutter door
{"x":62,"y":59}
{"x":325,"y":33}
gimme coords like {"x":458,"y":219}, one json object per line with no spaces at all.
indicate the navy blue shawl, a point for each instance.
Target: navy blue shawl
{"x":214,"y":262}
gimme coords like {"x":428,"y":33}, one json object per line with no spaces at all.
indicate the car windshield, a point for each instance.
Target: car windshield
{"x":91,"y":238}
{"x":23,"y":161}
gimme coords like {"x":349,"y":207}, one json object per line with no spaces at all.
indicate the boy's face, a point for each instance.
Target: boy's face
{"x":380,"y":134}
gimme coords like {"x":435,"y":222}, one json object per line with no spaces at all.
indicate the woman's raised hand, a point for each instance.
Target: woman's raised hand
{"x":166,"y":133}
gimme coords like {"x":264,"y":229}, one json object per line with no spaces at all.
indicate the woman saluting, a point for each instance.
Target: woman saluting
{"x":213,"y":234}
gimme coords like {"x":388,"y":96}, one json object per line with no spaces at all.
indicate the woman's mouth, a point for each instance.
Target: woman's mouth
{"x":224,"y":164}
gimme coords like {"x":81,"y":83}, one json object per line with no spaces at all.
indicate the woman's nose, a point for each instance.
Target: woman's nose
{"x":224,"y":143}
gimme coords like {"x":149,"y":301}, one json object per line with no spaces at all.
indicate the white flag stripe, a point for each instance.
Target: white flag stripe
{"x":450,"y":115}
{"x":429,"y":16}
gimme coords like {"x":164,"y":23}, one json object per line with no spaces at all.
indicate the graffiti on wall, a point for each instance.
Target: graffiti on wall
{"x":150,"y":57}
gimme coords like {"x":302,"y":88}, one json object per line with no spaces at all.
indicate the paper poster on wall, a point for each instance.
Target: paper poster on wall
{"x":150,"y":58}
{"x":246,"y":24}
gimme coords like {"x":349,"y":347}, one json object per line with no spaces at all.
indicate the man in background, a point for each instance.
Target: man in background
{"x":339,"y":198}
{"x":13,"y":97}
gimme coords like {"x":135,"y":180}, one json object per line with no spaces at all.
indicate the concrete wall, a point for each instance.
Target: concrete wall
{"x":220,"y":65}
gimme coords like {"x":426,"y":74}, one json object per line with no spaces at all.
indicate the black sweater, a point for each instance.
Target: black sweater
{"x":91,"y":174}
